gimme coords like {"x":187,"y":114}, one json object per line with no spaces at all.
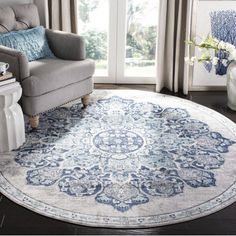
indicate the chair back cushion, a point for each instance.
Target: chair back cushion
{"x":18,"y":17}
{"x":32,"y":42}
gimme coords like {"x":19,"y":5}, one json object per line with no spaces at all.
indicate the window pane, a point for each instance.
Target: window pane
{"x":93,"y":25}
{"x":142,"y":18}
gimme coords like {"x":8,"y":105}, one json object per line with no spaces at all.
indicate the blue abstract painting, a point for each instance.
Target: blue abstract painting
{"x":223,"y":27}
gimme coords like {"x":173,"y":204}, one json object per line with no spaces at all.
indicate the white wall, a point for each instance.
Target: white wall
{"x":10,"y":2}
{"x":43,"y":11}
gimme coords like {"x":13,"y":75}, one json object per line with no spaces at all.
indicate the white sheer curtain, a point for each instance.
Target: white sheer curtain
{"x":173,"y":25}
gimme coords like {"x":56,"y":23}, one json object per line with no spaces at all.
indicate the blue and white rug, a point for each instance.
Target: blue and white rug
{"x":131,"y":159}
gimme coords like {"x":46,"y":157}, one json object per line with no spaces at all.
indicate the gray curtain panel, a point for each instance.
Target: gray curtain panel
{"x":62,"y":15}
{"x":173,"y":20}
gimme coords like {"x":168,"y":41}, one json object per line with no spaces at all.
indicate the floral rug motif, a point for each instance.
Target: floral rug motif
{"x":122,"y":153}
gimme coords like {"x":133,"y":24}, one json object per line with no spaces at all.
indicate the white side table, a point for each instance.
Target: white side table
{"x":12,"y":127}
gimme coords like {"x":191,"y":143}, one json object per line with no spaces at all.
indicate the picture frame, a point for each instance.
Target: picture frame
{"x":199,"y":26}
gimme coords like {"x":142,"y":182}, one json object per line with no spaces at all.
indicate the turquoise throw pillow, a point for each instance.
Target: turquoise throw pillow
{"x":32,"y":42}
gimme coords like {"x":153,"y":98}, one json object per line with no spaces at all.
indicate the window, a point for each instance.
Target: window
{"x":121,"y":37}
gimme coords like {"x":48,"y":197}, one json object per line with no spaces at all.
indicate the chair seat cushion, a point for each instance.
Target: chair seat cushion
{"x":47,"y":75}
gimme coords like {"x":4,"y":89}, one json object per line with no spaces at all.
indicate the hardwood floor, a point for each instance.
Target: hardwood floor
{"x":15,"y":219}
{"x":143,"y":87}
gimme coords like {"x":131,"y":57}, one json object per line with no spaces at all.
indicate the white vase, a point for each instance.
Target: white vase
{"x":231,"y":85}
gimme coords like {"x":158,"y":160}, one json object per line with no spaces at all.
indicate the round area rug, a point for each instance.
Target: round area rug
{"x":131,"y":159}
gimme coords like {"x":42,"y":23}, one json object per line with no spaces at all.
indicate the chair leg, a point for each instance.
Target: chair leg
{"x":85,"y":100}
{"x":34,"y":121}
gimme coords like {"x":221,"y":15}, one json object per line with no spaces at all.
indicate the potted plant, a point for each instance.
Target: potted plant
{"x":221,"y":56}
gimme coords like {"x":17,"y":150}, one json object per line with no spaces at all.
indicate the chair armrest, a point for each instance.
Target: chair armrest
{"x":18,"y":62}
{"x":66,"y":46}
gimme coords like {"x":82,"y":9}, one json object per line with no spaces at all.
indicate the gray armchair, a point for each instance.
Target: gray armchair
{"x":47,"y":83}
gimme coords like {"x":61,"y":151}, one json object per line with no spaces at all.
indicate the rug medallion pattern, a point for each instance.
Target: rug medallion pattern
{"x":122,"y":153}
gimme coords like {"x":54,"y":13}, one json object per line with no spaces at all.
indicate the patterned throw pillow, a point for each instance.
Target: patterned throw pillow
{"x":32,"y":42}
